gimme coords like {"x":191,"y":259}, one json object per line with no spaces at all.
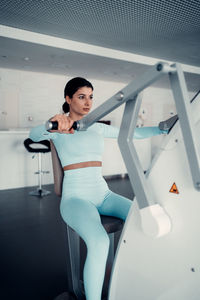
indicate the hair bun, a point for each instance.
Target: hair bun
{"x":65,"y":107}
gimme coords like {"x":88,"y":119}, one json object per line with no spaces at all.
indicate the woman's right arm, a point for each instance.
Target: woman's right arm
{"x":40,"y":133}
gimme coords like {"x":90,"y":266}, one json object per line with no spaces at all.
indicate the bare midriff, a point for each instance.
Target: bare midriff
{"x":84,"y":164}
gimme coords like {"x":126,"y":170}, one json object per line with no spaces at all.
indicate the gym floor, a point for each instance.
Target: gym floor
{"x":33,"y":243}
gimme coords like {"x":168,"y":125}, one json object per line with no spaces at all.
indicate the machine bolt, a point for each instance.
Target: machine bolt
{"x":159,"y":67}
{"x":119,"y":96}
{"x":198,"y":185}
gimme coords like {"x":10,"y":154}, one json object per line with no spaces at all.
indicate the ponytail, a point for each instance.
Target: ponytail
{"x":65,"y":107}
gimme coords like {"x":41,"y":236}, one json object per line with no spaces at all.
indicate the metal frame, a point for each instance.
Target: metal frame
{"x":137,"y":178}
{"x":127,"y":93}
{"x":130,"y":95}
{"x":184,"y":111}
{"x":40,"y":192}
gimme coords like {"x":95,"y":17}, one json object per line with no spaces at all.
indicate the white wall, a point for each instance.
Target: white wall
{"x":18,"y":165}
{"x":30,"y":98}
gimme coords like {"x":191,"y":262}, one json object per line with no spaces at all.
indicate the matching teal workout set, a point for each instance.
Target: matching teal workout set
{"x":85,"y":193}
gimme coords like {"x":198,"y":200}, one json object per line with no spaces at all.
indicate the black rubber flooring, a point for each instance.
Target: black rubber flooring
{"x":33,"y":243}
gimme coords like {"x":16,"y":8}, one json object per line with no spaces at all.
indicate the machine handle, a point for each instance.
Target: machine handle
{"x":53,"y":125}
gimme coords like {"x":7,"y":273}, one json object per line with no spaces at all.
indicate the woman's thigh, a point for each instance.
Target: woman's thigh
{"x":115,"y":205}
{"x":84,"y":218}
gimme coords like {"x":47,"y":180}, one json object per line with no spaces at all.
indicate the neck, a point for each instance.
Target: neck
{"x":75,"y":117}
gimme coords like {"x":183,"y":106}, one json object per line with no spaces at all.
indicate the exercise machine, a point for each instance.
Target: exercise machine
{"x":158,"y":253}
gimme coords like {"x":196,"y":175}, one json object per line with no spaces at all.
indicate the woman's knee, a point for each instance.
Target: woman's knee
{"x":99,"y":244}
{"x":64,"y":211}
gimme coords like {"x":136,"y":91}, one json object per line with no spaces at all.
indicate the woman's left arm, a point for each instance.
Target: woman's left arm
{"x":139,"y":133}
{"x":146,"y":132}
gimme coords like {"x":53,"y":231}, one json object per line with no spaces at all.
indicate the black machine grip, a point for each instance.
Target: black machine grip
{"x":53,"y":125}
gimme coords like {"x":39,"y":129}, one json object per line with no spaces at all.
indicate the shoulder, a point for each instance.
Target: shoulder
{"x":105,"y":130}
{"x":99,"y":127}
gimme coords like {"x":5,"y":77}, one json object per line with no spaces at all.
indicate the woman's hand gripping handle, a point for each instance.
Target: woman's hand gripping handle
{"x":61,"y":123}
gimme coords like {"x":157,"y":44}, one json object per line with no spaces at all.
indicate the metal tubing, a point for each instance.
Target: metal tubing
{"x":74,"y":253}
{"x":127,"y":93}
{"x":40,"y":169}
{"x":125,"y":140}
{"x":184,"y":111}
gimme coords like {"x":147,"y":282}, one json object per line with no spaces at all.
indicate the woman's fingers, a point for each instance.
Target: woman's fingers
{"x":65,"y":123}
{"x":71,"y":131}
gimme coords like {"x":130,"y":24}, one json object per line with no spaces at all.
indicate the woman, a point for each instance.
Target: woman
{"x":85,"y":193}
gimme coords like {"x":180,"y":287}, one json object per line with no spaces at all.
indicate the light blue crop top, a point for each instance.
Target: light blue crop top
{"x":85,"y":145}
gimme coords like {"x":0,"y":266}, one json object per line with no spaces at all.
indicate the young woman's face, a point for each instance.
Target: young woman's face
{"x":80,"y":103}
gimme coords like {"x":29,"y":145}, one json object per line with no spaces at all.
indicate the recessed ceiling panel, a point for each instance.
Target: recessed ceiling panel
{"x":27,"y":56}
{"x":163,"y":29}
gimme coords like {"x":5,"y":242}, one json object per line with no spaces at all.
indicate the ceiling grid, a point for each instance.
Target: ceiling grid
{"x":161,"y":29}
{"x":125,"y":25}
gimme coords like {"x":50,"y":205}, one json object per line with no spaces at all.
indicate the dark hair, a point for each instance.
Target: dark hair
{"x":72,"y":87}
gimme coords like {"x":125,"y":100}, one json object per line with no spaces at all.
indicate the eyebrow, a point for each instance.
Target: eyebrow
{"x":82,"y":94}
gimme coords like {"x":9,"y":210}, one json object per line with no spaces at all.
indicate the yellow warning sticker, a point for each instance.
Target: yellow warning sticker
{"x":174,"y":189}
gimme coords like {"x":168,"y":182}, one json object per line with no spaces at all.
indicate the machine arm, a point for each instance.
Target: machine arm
{"x":127,"y":93}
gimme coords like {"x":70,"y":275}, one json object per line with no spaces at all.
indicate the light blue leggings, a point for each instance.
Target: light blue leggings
{"x":85,"y":196}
